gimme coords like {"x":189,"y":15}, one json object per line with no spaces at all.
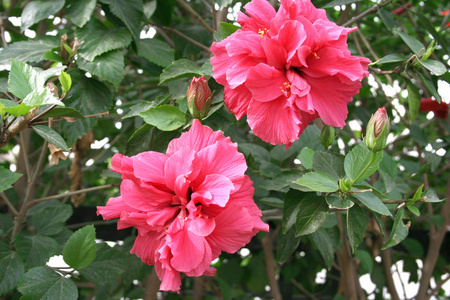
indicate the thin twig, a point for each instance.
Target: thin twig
{"x":303,"y":289}
{"x":438,"y":287}
{"x":197,"y":16}
{"x":9,"y":204}
{"x":95,"y":223}
{"x":23,"y":151}
{"x":270,"y":266}
{"x":366,"y":13}
{"x":59,"y":120}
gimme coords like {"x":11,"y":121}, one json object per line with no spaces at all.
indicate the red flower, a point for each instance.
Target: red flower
{"x":188,"y":204}
{"x":283,"y":69}
{"x":445,"y":12}
{"x":439,"y":109}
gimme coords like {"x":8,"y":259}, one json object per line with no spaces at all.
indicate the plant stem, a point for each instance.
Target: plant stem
{"x":9,"y":204}
{"x":197,"y":16}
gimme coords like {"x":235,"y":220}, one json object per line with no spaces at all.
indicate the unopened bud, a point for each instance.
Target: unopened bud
{"x":377,"y":131}
{"x":327,"y":136}
{"x":344,"y":185}
{"x":199,"y":97}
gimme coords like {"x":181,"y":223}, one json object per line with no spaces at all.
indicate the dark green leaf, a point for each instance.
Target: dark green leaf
{"x":356,"y":226}
{"x":387,"y":18}
{"x":413,"y":44}
{"x":306,"y":157}
{"x":79,"y":128}
{"x":413,"y":101}
{"x":156,"y":51}
{"x":180,"y":69}
{"x":29,"y":51}
{"x":227,"y":29}
{"x":365,"y":259}
{"x":107,"y":265}
{"x":80,"y":11}
{"x":286,"y":245}
{"x":430,"y":87}
{"x":108,"y":66}
{"x":11,"y":268}
{"x":339,"y":3}
{"x":136,"y":109}
{"x":130,"y":12}
{"x":281,"y":181}
{"x":64,"y":112}
{"x":318,"y":181}
{"x":44,"y":283}
{"x":399,"y":230}
{"x":38,"y":10}
{"x":372,"y":202}
{"x":312,"y":214}
{"x":80,"y":249}
{"x":36,"y":249}
{"x":413,"y":246}
{"x":431,"y":195}
{"x":389,"y":183}
{"x":164,"y":117}
{"x":50,"y":220}
{"x":275,"y":202}
{"x":324,"y":244}
{"x":8,"y":178}
{"x":434,"y":66}
{"x":392,"y":58}
{"x":338,"y":202}
{"x":358,"y":159}
{"x":430,"y":27}
{"x":52,"y":56}
{"x":259,"y":153}
{"x":330,"y":163}
{"x":380,"y":223}
{"x":290,"y":208}
{"x":51,"y":136}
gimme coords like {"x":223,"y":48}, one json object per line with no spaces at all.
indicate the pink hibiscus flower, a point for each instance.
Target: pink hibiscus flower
{"x":188,"y":204}
{"x":285,"y":68}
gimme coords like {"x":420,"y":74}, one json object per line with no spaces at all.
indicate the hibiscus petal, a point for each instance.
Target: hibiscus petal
{"x":291,"y":35}
{"x":144,"y":198}
{"x":122,"y":164}
{"x":113,"y":208}
{"x":218,"y":186}
{"x":180,"y":163}
{"x":202,"y":225}
{"x":237,"y":100}
{"x":145,"y":246}
{"x":149,"y":166}
{"x":265,"y":82}
{"x":260,"y":12}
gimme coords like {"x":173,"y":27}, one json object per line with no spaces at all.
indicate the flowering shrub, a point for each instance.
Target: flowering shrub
{"x":188,"y":204}
{"x":283,"y":69}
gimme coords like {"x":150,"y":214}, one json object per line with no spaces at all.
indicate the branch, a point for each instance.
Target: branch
{"x":270,"y":266}
{"x":366,"y":12}
{"x":197,"y":16}
{"x":303,"y":290}
{"x":387,"y":263}
{"x":9,"y":204}
{"x":151,"y":286}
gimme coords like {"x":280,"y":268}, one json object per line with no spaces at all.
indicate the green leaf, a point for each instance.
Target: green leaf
{"x":290,"y":208}
{"x":387,"y":18}
{"x":357,"y":160}
{"x":338,"y":202}
{"x":164,"y":117}
{"x":78,"y":129}
{"x":29,"y":51}
{"x":66,"y":82}
{"x":413,"y":209}
{"x":356,"y":226}
{"x":392,"y":58}
{"x":156,"y":51}
{"x":286,"y":245}
{"x":430,"y":87}
{"x":64,"y":112}
{"x":413,"y":101}
{"x":38,"y":10}
{"x":281,"y":181}
{"x":430,"y":27}
{"x":136,"y":109}
{"x":372,"y":202}
{"x":330,"y":163}
{"x":434,"y":66}
{"x":179,"y":69}
{"x":259,"y":153}
{"x":51,"y":136}
{"x":97,"y":39}
{"x":130,"y":12}
{"x":80,"y":11}
{"x":365,"y":259}
{"x":11,"y":269}
{"x":269,"y":169}
{"x":51,"y":220}
{"x":44,"y":283}
{"x":36,"y":249}
{"x":399,"y":230}
{"x":272,"y":201}
{"x":8,"y":178}
{"x":108,"y":66}
{"x":227,"y":29}
{"x":324,"y":244}
{"x":23,"y":79}
{"x":306,"y":157}
{"x":417,"y":195}
{"x":52,"y":56}
{"x":430,"y":194}
{"x":312,"y":214}
{"x":339,"y":3}
{"x":108,"y":264}
{"x":80,"y":249}
{"x":318,"y":181}
{"x":380,"y":223}
{"x":413,"y":246}
{"x":412,"y":42}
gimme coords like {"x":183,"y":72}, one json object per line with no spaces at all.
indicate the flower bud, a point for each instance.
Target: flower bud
{"x":327,"y":136}
{"x":199,"y":97}
{"x":344,"y":185}
{"x":377,"y":131}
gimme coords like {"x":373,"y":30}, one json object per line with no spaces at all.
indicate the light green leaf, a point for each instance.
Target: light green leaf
{"x":51,"y":220}
{"x":431,"y":195}
{"x":356,"y":226}
{"x":399,"y":230}
{"x":164,"y":117}
{"x":49,"y":73}
{"x":417,"y":195}
{"x":413,"y":209}
{"x":130,"y":12}
{"x":66,"y":82}
{"x":324,"y":244}
{"x":338,"y":202}
{"x":156,"y":51}
{"x":358,"y":159}
{"x":339,"y":3}
{"x":52,"y":56}
{"x":318,"y":181}
{"x":306,"y":157}
{"x":8,"y":178}
{"x":413,"y":101}
{"x":51,"y":136}
{"x":44,"y":283}
{"x":286,"y":245}
{"x":430,"y":87}
{"x":11,"y":268}
{"x":180,"y":69}
{"x":80,"y":11}
{"x":227,"y":29}
{"x":38,"y":10}
{"x":149,"y":8}
{"x":97,"y":39}
{"x":108,"y":66}
{"x":412,"y":42}
{"x":80,"y":249}
{"x":330,"y":163}
{"x":372,"y":202}
{"x":29,"y":51}
{"x":434,"y":66}
{"x":312,"y":214}
{"x":39,"y":97}
{"x":23,"y":79}
{"x":36,"y":249}
{"x":391,"y":58}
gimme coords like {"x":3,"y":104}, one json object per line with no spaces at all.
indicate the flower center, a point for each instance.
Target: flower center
{"x":262,"y":32}
{"x":286,"y":89}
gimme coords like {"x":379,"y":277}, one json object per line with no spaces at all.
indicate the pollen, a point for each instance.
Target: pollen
{"x":262,"y":32}
{"x":286,"y":88}
{"x":315,"y":55}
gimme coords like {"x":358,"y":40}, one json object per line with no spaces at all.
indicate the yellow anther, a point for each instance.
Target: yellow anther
{"x":315,"y":55}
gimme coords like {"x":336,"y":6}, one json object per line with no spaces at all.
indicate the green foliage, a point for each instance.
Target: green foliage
{"x":8,"y":178}
{"x":80,"y":249}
